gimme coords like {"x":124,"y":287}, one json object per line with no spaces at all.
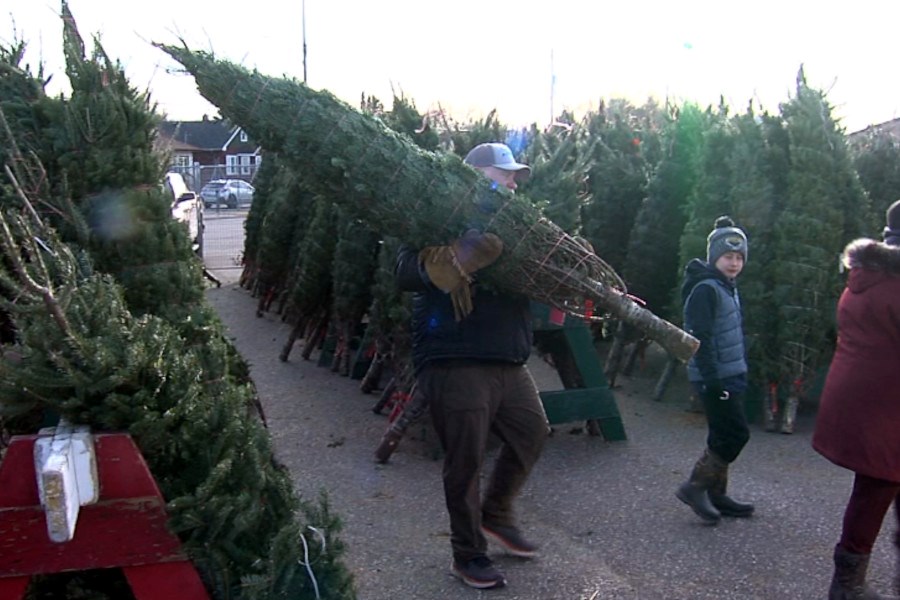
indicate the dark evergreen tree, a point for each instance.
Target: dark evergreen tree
{"x":463,"y":136}
{"x":405,"y":118}
{"x":355,"y":260}
{"x":560,"y":161}
{"x":310,"y":297}
{"x":624,"y":156}
{"x":371,"y":105}
{"x":711,"y":196}
{"x":105,"y":139}
{"x":652,"y":267}
{"x":135,"y":239}
{"x":103,"y":179}
{"x":824,"y":210}
{"x":22,"y":102}
{"x":389,"y":322}
{"x":267,"y":184}
{"x":284,"y":223}
{"x":759,"y":162}
{"x":876,"y":157}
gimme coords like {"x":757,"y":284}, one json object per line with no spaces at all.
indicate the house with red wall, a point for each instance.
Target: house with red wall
{"x":208,"y":149}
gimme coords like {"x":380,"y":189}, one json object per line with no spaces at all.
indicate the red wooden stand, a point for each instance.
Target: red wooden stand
{"x":126,"y":528}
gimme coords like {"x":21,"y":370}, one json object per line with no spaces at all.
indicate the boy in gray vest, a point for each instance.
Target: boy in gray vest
{"x":718,"y":371}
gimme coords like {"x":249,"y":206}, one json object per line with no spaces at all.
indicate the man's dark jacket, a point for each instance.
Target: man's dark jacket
{"x":498,"y":328}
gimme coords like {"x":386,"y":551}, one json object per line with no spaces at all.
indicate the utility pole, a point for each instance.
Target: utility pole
{"x":303,"y":19}
{"x":552,"y":87}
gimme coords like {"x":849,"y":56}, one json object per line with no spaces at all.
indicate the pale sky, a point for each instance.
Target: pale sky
{"x":470,"y":56}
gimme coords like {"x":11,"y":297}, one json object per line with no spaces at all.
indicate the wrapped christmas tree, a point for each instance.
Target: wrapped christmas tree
{"x":421,"y":197}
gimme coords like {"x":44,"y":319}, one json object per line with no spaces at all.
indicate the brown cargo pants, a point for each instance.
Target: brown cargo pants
{"x":468,"y":401}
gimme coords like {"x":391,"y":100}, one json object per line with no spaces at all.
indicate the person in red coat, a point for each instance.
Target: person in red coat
{"x":858,"y":422}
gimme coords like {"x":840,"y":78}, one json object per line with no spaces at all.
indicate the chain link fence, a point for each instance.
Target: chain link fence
{"x":223,"y":242}
{"x":196,"y":176}
{"x":220,"y":240}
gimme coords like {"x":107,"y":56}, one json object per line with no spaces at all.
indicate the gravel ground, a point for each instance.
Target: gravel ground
{"x":604,"y":512}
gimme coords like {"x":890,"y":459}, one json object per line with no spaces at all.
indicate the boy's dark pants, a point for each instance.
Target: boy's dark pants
{"x":728,"y":431}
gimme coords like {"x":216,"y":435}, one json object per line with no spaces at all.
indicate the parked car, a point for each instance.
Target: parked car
{"x":186,"y":208}
{"x":228,"y":192}
{"x":209,"y":193}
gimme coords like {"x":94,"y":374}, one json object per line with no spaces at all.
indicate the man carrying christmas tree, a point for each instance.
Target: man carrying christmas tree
{"x":470,"y":346}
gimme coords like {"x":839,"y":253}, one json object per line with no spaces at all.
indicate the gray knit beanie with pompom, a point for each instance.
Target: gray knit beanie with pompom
{"x":727,"y":238}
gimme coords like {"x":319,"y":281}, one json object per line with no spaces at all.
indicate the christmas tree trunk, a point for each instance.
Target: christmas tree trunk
{"x":373,"y":374}
{"x":421,"y":197}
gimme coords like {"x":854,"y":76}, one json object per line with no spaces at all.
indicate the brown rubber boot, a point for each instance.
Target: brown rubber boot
{"x":694,"y":491}
{"x":726,"y":505}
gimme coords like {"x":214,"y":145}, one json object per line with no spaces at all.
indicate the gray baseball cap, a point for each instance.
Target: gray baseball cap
{"x":497,"y":155}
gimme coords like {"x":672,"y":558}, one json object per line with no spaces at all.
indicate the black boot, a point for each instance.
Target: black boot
{"x":694,"y":491}
{"x":849,"y":581}
{"x":727,"y":506}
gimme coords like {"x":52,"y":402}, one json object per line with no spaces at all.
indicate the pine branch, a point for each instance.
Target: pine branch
{"x":11,"y":251}
{"x":19,"y":162}
{"x":21,"y":193}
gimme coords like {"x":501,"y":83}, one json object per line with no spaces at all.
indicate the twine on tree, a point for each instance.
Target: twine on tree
{"x":306,"y":563}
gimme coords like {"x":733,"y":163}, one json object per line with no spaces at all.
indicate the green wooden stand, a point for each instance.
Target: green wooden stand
{"x":586,"y":394}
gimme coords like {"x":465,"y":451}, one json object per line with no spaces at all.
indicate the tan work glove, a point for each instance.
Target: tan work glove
{"x":450,"y":268}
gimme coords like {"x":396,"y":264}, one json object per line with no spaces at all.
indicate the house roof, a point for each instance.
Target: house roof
{"x":197,"y":135}
{"x":891,"y":128}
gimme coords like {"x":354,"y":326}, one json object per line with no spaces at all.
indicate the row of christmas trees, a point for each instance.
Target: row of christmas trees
{"x":105,"y":324}
{"x":643,"y":185}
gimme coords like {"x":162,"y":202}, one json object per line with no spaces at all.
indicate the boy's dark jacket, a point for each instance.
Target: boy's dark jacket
{"x":701,"y":313}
